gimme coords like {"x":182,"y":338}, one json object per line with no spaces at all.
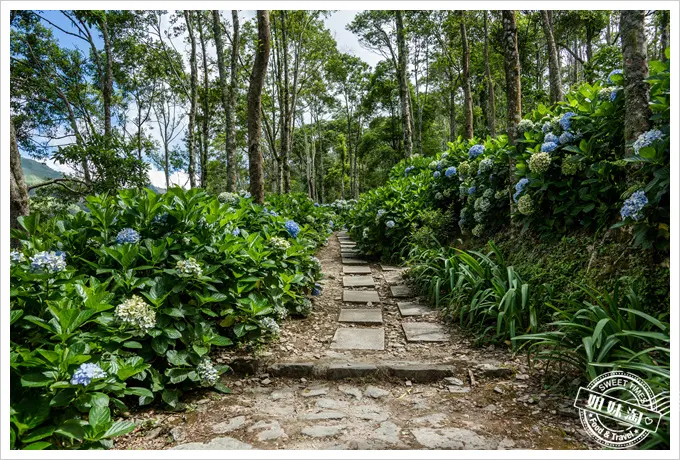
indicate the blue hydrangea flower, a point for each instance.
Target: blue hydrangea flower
{"x":450,"y":171}
{"x":408,"y":170}
{"x":646,"y":139}
{"x":293,"y":228}
{"x":316,"y":291}
{"x":437,"y":174}
{"x":472,"y":190}
{"x":160,"y":219}
{"x":566,"y":138}
{"x":633,"y":206}
{"x":316,"y":205}
{"x":440,"y":165}
{"x":476,"y":150}
{"x":519,"y":188}
{"x":612,"y":96}
{"x":613,"y":72}
{"x":127,"y":235}
{"x":16,"y":257}
{"x":548,"y":147}
{"x":445,"y":155}
{"x":273,"y":213}
{"x":550,"y":137}
{"x":48,"y":262}
{"x":236,"y":231}
{"x":546,"y":127}
{"x":330,"y":223}
{"x":565,"y":121}
{"x":86,"y":373}
{"x":390,"y":224}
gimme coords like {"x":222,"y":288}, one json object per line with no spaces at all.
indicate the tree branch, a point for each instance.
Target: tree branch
{"x":59,"y":181}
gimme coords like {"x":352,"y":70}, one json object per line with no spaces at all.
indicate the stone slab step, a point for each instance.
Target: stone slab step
{"x":379,"y":369}
{"x":401,"y":291}
{"x":396,"y":277}
{"x":345,"y":239}
{"x":358,"y":281}
{"x":359,"y":338}
{"x":414,"y":309}
{"x":353,"y":261}
{"x":425,"y":332}
{"x":351,"y":255}
{"x":361,"y":316}
{"x":355,"y":269}
{"x":343,"y":234}
{"x":360,"y":296}
{"x":348,"y":245}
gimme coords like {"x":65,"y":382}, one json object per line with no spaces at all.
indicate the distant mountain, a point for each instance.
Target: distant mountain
{"x":36,"y":172}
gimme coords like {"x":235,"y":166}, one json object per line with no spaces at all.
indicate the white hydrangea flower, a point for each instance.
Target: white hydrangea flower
{"x":207,"y":373}
{"x":279,"y":243}
{"x":189,"y":267}
{"x":136,"y":313}
{"x":270,"y":325}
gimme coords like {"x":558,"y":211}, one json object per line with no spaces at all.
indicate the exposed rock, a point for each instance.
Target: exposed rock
{"x":388,"y":432}
{"x":327,"y":403}
{"x":492,"y":370}
{"x":315,"y":392}
{"x":226,"y":427}
{"x":375,"y":392}
{"x":434,"y":420}
{"x":452,"y":438}
{"x":324,"y":415}
{"x":352,"y":391}
{"x":215,"y":444}
{"x":177,"y":434}
{"x":454,"y":381}
{"x":370,"y":413}
{"x":320,"y":431}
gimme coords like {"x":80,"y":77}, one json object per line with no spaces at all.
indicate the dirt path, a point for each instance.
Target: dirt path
{"x":488,"y":401}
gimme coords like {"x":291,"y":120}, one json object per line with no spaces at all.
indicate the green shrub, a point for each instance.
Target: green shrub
{"x":144,"y":286}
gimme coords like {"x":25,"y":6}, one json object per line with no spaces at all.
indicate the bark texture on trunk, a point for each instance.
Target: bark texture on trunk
{"x":467,"y":90}
{"x":635,"y":71}
{"x":255,"y":105}
{"x":206,"y":107}
{"x":224,"y":92}
{"x":553,"y":61}
{"x":665,"y":15}
{"x":192,"y":109}
{"x":232,"y":167}
{"x":402,"y":72}
{"x":491,"y":107}
{"x":18,"y":192}
{"x":108,"y":83}
{"x":512,"y":73}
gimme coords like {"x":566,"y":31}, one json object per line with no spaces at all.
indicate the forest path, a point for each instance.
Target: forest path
{"x":351,"y":377}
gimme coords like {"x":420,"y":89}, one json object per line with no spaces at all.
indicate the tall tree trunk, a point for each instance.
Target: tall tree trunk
{"x":513,"y":85}
{"x":635,"y":71}
{"x":467,"y":90}
{"x":18,"y":192}
{"x":402,"y":76}
{"x":224,"y":92}
{"x":192,"y":109}
{"x":206,"y":106}
{"x":553,"y":64}
{"x":287,"y":109}
{"x":664,"y":35}
{"x":343,"y":156}
{"x":166,"y":164}
{"x":108,"y":86}
{"x":254,"y":106}
{"x":588,"y":69}
{"x":232,"y":166}
{"x":512,"y":73}
{"x":491,"y":107}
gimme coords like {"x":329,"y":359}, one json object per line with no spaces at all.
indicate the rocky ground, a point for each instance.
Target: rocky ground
{"x":491,"y":400}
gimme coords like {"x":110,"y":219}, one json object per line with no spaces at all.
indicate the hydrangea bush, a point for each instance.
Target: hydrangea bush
{"x":141,"y":287}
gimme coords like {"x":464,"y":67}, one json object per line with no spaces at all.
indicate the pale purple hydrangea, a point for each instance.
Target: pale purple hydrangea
{"x":633,"y":206}
{"x":86,"y":373}
{"x":127,"y":235}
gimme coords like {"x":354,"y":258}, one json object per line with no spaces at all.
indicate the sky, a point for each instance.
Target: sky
{"x":336,"y":23}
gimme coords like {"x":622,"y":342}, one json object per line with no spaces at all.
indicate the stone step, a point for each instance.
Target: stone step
{"x":361,"y":316}
{"x":378,"y":369}
{"x":414,"y":309}
{"x":359,"y":338}
{"x":351,"y":255}
{"x":360,"y":296}
{"x":353,"y":261}
{"x":355,"y":269}
{"x":348,"y":245}
{"x":425,"y":332}
{"x":358,"y":281}
{"x":345,"y":239}
{"x":396,"y":277}
{"x":401,"y":291}
{"x":343,"y":234}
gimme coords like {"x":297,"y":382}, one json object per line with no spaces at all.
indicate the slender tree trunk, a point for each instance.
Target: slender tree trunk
{"x":232,"y":166}
{"x":219,"y":45}
{"x":343,"y":156}
{"x":17,"y":186}
{"x":635,"y":71}
{"x":491,"y":107}
{"x":192,"y":109}
{"x":452,"y":108}
{"x":166,"y":165}
{"x":512,"y":73}
{"x":206,"y":107}
{"x":287,"y":109}
{"x":467,"y":90}
{"x":404,"y":97}
{"x":108,"y":86}
{"x":664,"y":35}
{"x":255,"y":104}
{"x":553,"y":64}
{"x":512,"y":82}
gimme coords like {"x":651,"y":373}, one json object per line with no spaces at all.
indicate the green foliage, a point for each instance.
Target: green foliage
{"x":199,"y":274}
